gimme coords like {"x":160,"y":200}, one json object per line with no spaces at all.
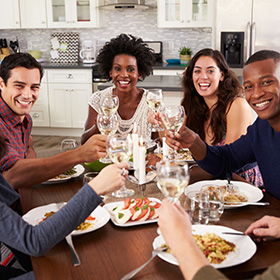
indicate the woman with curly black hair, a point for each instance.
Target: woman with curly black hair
{"x":214,"y":106}
{"x":125,"y":60}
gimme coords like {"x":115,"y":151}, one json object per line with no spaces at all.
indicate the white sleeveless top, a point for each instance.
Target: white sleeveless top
{"x":140,"y":116}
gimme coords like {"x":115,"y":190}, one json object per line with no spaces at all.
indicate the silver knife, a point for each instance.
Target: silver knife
{"x":74,"y":255}
{"x":246,"y":203}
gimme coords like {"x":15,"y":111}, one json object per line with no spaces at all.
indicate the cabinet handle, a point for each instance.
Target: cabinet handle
{"x":67,"y":90}
{"x":43,"y":22}
{"x":16,"y":22}
{"x":36,"y":115}
{"x":69,"y":76}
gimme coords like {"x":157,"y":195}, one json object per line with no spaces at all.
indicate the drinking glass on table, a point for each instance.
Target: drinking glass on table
{"x":154,"y":100}
{"x":216,"y":201}
{"x":173,"y":118}
{"x":119,"y":149}
{"x":107,"y":125}
{"x":109,"y":105}
{"x":172,"y":178}
{"x":197,"y":206}
{"x":68,"y":145}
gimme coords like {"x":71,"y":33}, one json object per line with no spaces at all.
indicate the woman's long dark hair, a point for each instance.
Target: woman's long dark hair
{"x":196,"y":109}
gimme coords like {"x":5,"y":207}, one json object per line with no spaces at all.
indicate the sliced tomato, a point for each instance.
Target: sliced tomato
{"x":127,"y":203}
{"x":157,"y":205}
{"x":139,"y":202}
{"x":146,"y":200}
{"x":90,"y":218}
{"x":132,"y":210}
{"x":144,"y":210}
{"x":152,"y":212}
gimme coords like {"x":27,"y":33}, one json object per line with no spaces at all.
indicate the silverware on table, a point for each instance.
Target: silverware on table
{"x":246,"y":203}
{"x":155,"y":252}
{"x":74,"y":255}
{"x":234,"y":233}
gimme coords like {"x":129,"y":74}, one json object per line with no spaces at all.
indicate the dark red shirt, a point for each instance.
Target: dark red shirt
{"x":17,"y":134}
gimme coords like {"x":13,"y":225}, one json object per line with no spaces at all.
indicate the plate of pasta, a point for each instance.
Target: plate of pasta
{"x":221,"y":250}
{"x":243,"y":192}
{"x":97,"y":219}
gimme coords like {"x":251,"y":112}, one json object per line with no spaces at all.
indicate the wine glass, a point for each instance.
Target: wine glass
{"x":119,"y":149}
{"x":216,"y":201}
{"x":68,"y":145}
{"x":154,"y":100}
{"x":172,"y":179}
{"x":109,"y":105}
{"x":107,"y":126}
{"x":173,"y":118}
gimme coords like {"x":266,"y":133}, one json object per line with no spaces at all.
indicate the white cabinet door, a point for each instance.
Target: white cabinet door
{"x":9,"y":18}
{"x":33,"y":14}
{"x":60,"y":105}
{"x":185,"y":13}
{"x":69,"y":104}
{"x":72,"y":13}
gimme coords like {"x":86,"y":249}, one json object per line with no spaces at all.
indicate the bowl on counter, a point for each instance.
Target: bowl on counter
{"x":173,"y":61}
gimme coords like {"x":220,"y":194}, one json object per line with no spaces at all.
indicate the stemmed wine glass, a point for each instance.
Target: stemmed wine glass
{"x":172,"y":179}
{"x":154,"y":100}
{"x":173,"y":118}
{"x":119,"y":148}
{"x":107,"y":126}
{"x":109,"y":105}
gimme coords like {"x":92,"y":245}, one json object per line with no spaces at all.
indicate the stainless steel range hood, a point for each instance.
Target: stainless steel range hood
{"x":125,"y":4}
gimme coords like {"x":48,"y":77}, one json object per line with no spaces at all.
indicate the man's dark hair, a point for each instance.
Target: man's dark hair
{"x":263,"y":55}
{"x":130,"y":45}
{"x":3,"y":146}
{"x":18,"y":60}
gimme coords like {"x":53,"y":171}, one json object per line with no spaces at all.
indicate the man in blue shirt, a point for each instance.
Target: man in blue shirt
{"x":261,"y":76}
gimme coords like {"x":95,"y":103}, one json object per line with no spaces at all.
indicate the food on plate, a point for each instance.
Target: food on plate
{"x":64,"y":175}
{"x":139,"y":209}
{"x":235,"y":196}
{"x":152,"y":159}
{"x":214,"y":247}
{"x":83,"y":226}
{"x":184,"y":154}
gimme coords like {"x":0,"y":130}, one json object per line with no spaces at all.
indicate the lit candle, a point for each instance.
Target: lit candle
{"x":135,"y":147}
{"x":165,"y":148}
{"x":142,"y":164}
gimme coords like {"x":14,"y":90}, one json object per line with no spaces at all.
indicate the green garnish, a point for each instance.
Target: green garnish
{"x":120,"y":215}
{"x":114,"y":208}
{"x":145,"y":206}
{"x":137,"y":208}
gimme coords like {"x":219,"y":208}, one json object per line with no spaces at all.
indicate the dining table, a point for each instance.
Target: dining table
{"x":112,"y":251}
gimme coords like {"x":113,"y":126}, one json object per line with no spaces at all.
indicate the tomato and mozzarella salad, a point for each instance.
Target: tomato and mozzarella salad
{"x":139,"y":209}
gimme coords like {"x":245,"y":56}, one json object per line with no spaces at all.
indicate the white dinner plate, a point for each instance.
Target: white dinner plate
{"x":110,"y":206}
{"x":79,"y":170}
{"x":244,"y":250}
{"x":252,"y":193}
{"x":36,"y":215}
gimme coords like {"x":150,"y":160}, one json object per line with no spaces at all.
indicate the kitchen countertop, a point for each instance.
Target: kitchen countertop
{"x":166,"y":83}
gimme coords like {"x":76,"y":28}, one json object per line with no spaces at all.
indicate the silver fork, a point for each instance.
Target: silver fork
{"x":155,"y":252}
{"x":74,"y":255}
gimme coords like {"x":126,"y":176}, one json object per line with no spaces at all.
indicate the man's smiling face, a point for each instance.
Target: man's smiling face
{"x":21,"y":91}
{"x":262,"y":89}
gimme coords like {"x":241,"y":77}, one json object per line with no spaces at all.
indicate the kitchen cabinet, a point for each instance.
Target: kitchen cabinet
{"x":72,"y":13}
{"x":33,"y":13}
{"x":69,"y":92}
{"x":9,"y":18}
{"x":40,"y":111}
{"x":185,"y":13}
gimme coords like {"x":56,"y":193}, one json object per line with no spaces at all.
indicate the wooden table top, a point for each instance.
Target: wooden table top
{"x":111,"y":251}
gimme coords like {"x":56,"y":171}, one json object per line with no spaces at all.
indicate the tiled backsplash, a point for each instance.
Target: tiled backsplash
{"x":136,"y":22}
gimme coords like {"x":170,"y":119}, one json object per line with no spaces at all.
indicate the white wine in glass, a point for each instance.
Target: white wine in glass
{"x":107,"y":126}
{"x":109,"y":105}
{"x":119,"y":149}
{"x":172,"y":179}
{"x":154,"y":101}
{"x":173,"y":118}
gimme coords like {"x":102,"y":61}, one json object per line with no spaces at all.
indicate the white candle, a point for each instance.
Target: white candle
{"x":135,"y":147}
{"x":165,"y":148}
{"x":142,"y":164}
